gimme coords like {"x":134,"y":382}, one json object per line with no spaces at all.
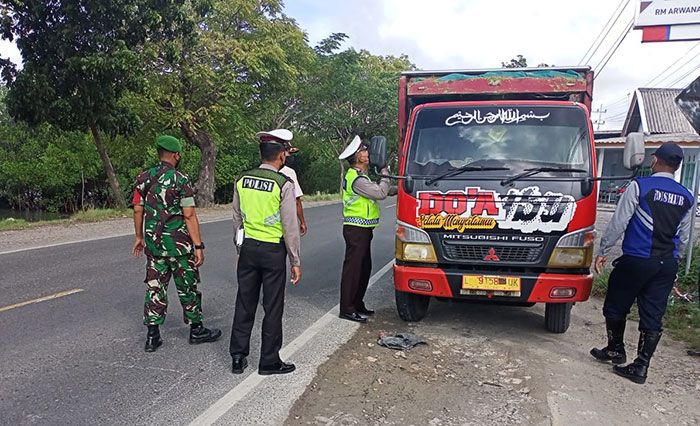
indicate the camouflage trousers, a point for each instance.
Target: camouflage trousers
{"x":186,"y":277}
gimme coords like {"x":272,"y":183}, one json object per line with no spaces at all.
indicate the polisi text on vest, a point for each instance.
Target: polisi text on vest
{"x":258,"y":184}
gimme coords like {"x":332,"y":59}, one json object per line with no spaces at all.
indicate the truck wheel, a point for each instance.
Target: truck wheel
{"x":557,"y":317}
{"x":412,"y":307}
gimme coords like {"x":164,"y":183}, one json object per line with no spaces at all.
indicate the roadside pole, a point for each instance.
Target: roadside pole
{"x":694,"y":217}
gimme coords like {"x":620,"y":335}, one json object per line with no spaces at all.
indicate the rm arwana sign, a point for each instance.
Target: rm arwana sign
{"x":668,"y":20}
{"x":667,"y":12}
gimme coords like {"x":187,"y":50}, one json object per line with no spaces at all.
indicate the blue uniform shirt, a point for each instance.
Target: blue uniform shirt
{"x":655,"y":215}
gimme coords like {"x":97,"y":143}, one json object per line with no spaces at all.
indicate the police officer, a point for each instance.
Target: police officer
{"x":655,"y":215}
{"x":263,"y":202}
{"x":284,"y":136}
{"x":164,"y":203}
{"x":360,"y":217}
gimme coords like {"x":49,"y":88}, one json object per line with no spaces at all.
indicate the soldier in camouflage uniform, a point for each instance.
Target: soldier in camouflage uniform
{"x":164,"y":207}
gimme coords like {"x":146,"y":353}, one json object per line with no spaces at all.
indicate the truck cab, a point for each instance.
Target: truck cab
{"x":498,"y":200}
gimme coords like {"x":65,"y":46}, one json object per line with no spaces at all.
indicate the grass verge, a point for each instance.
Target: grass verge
{"x":12,"y":224}
{"x":319,"y":196}
{"x":92,"y":215}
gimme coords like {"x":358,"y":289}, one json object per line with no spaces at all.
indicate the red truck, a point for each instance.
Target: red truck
{"x":497,"y":200}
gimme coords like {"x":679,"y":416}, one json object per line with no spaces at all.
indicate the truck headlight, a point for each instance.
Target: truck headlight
{"x":574,"y":250}
{"x":413,"y":244}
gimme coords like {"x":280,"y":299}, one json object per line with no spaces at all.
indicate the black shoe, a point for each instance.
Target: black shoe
{"x":615,"y":350}
{"x":238,"y":364}
{"x":279,"y":368}
{"x":365,"y":311}
{"x":201,"y":334}
{"x":153,"y":340}
{"x":353,"y":317}
{"x":637,"y":371}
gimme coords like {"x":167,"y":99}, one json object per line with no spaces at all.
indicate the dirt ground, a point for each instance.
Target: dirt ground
{"x":488,"y":365}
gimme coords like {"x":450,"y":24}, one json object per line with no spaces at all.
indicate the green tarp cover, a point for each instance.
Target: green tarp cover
{"x":509,"y":74}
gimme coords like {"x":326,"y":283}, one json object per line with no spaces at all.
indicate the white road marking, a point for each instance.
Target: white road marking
{"x":221,"y":407}
{"x":390,"y":206}
{"x":42,"y":299}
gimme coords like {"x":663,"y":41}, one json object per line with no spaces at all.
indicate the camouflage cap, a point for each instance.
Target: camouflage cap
{"x":169,"y":143}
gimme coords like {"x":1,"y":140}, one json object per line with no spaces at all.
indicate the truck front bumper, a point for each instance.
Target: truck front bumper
{"x":443,"y":282}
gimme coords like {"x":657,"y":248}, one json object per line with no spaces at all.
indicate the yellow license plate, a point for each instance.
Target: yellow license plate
{"x":490,"y":283}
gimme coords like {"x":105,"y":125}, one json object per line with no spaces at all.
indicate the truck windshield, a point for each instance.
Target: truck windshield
{"x":518,"y":136}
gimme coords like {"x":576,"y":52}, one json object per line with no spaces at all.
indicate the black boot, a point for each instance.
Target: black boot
{"x":637,"y":371}
{"x":153,"y":340}
{"x":201,"y":334}
{"x":615,"y":351}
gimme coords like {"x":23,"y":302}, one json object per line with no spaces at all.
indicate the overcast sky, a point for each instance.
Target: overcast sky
{"x":450,"y":34}
{"x":439,"y":34}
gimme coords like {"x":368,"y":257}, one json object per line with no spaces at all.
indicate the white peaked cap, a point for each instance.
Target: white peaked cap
{"x":282,"y":134}
{"x":351,"y":148}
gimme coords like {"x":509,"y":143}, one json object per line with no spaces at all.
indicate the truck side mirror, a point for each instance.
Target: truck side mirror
{"x":633,"y":156}
{"x":377,"y":152}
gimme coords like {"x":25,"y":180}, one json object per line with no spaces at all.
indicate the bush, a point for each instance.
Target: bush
{"x":600,"y":283}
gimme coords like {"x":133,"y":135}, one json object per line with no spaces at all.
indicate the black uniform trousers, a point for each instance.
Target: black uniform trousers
{"x":648,"y":280}
{"x":357,"y":268}
{"x":260,"y":264}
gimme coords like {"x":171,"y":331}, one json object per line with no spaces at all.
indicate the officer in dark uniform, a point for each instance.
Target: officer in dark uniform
{"x":655,"y":215}
{"x":360,"y":216}
{"x":265,"y":205}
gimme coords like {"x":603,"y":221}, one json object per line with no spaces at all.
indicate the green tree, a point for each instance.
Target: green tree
{"x":517,"y":62}
{"x":79,"y":59}
{"x":521,"y":62}
{"x":350,"y":93}
{"x":225,"y":71}
{"x":44,"y":168}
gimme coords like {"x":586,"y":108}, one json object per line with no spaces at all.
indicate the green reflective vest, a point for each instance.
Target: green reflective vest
{"x":260,"y":194}
{"x":358,"y":210}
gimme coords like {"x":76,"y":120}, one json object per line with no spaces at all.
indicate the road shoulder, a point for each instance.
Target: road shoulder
{"x":487,"y":364}
{"x":74,"y":232}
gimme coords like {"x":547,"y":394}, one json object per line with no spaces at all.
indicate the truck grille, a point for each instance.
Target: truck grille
{"x":478,"y":252}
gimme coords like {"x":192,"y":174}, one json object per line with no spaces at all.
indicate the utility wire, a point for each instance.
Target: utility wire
{"x":607,"y":32}
{"x":676,"y":72}
{"x":619,"y":101}
{"x":681,"y":78}
{"x":671,"y":66}
{"x":613,"y":117}
{"x":599,"y":68}
{"x":625,"y":98}
{"x":601,"y":32}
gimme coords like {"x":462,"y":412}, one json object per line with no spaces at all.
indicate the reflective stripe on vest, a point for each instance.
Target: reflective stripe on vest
{"x":260,"y":195}
{"x":358,"y":210}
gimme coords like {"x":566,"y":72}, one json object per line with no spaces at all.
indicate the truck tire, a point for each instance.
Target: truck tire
{"x":557,"y":317}
{"x":412,"y":307}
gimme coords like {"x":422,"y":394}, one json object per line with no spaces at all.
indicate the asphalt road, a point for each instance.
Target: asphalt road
{"x":79,"y":359}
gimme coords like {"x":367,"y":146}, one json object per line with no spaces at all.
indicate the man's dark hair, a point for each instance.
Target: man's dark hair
{"x":162,"y":152}
{"x":270,"y":150}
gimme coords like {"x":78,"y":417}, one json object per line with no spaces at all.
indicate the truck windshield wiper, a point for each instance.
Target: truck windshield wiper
{"x":536,"y":170}
{"x":459,"y":170}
